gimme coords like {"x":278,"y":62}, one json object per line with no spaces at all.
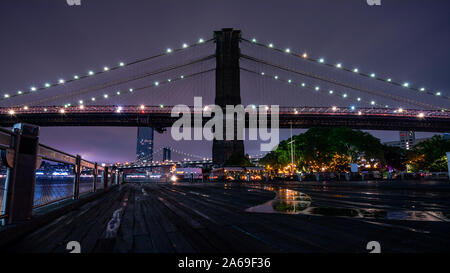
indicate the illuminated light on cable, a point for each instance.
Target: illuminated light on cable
{"x":421,"y":115}
{"x":389,"y":80}
{"x":253,"y":40}
{"x":6,"y":96}
{"x":372,"y":102}
{"x":142,"y":107}
{"x":80,"y":102}
{"x":19,"y":92}
{"x":181,"y":77}
{"x":92,"y":99}
{"x":344,"y":95}
{"x":62,"y":111}
{"x":287,"y":50}
{"x":33,"y":88}
{"x":262,"y":73}
{"x":271,"y":45}
{"x":276,"y":77}
{"x":321,"y":60}
{"x":121,"y":64}
{"x":11,"y":112}
{"x":331,"y":92}
{"x":118,"y":93}
{"x":334,"y":108}
{"x":305,"y":55}
{"x":169,"y":80}
{"x":373,"y":75}
{"x":105,"y":96}
{"x":156,"y":83}
{"x":47,"y":84}
{"x":25,"y":108}
{"x":339,"y":65}
{"x":105,"y":68}
{"x":289,"y":81}
{"x":303,"y":84}
{"x":61,"y":81}
{"x":356,"y":70}
{"x":131,"y":89}
{"x":169,"y":50}
{"x":200,"y":40}
{"x":358,"y":99}
{"x":438,"y":93}
{"x":91,"y":73}
{"x":406,"y":84}
{"x":317,"y":88}
{"x":422,"y":89}
{"x":185,"y":45}
{"x":76,"y":77}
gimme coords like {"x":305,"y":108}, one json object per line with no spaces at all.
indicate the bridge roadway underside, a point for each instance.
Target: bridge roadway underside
{"x":160,"y":121}
{"x":210,"y":218}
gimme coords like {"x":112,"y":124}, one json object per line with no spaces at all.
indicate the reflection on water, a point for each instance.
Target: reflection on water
{"x":289,"y":201}
{"x":286,"y":201}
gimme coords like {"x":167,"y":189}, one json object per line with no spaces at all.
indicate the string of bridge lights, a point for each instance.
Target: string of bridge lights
{"x":317,"y":88}
{"x":305,"y":56}
{"x":82,"y":102}
{"x":335,"y":82}
{"x":105,"y":69}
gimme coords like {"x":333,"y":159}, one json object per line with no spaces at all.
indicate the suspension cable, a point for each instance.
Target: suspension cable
{"x":335,"y":82}
{"x":356,"y":71}
{"x":105,"y":70}
{"x":130,"y":79}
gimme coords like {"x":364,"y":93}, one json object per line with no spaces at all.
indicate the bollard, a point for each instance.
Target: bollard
{"x":76,"y":184}
{"x":105,"y":177}
{"x":95,"y":171}
{"x":21,"y":176}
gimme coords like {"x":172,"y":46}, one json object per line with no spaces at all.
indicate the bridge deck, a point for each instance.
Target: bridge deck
{"x":211,"y":218}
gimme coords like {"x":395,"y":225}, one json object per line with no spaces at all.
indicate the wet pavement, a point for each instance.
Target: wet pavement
{"x":252,"y":218}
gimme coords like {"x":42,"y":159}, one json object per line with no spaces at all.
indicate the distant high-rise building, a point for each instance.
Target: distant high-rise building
{"x":407,"y":139}
{"x":144,"y":149}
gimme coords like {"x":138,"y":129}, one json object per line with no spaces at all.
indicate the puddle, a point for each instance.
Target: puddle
{"x":286,"y":201}
{"x":289,"y":201}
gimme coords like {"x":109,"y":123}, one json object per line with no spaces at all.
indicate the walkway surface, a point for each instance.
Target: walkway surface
{"x":211,"y":218}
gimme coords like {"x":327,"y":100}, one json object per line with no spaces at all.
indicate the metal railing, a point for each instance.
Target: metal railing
{"x":57,"y":175}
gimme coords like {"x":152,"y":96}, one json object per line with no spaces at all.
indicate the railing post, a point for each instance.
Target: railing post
{"x":76,"y":185}
{"x":105,"y":177}
{"x":21,"y":177}
{"x":95,"y":171}
{"x":113,"y":174}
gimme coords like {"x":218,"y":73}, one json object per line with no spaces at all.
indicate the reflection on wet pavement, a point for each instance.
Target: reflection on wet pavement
{"x":288,"y":201}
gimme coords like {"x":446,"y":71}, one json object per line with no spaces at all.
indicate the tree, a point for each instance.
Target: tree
{"x":430,"y":155}
{"x":395,"y":157}
{"x":319,"y":147}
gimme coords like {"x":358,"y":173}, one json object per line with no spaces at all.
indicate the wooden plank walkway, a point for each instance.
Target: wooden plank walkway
{"x":210,"y":218}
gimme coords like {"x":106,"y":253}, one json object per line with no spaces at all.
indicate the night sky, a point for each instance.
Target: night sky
{"x":43,"y":40}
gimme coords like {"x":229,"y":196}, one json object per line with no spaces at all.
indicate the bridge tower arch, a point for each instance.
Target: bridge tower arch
{"x":227,"y":89}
